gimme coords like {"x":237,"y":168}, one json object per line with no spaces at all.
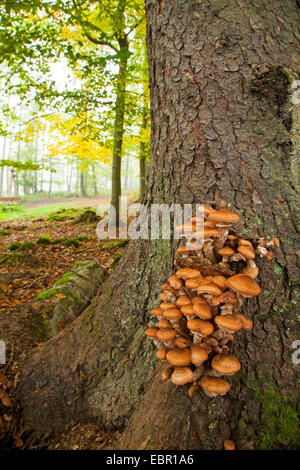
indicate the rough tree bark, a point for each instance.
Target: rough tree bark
{"x":223,"y":124}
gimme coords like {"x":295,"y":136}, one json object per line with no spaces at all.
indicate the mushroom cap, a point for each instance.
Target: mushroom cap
{"x":179,"y":357}
{"x":166,"y":305}
{"x":183,"y":300}
{"x":214,"y":385}
{"x":223,"y":215}
{"x":175,"y":282}
{"x":182,"y":342}
{"x":202,"y":310}
{"x":229,"y":445}
{"x":200,"y":326}
{"x":166,"y":286}
{"x":161,"y":354}
{"x":246,"y":322}
{"x":208,"y":232}
{"x":251,"y":272}
{"x":226,"y":364}
{"x":220,"y":281}
{"x":188,"y":273}
{"x":228,"y":297}
{"x":198,"y":354}
{"x":188,"y":310}
{"x":192,"y":390}
{"x":206,"y":210}
{"x":172,"y":313}
{"x":166,"y":373}
{"x":188,"y":226}
{"x":182,"y":375}
{"x":193,"y":283}
{"x":164,"y":324}
{"x":164,"y":297}
{"x":226,"y":251}
{"x":209,"y":288}
{"x":228,"y":322}
{"x":167,"y":334}
{"x":244,"y":242}
{"x":198,"y":300}
{"x":244,"y":285}
{"x":247,"y":251}
{"x":209,"y":223}
{"x":157,"y":312}
{"x":152,"y":332}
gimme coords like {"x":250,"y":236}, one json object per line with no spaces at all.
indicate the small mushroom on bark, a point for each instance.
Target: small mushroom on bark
{"x":198,"y":355}
{"x":225,"y":364}
{"x":213,"y":386}
{"x":152,"y":334}
{"x":227,"y":324}
{"x":179,"y":357}
{"x":200,"y":328}
{"x":182,"y":376}
{"x":229,"y":444}
{"x":166,"y":373}
{"x":161,"y":354}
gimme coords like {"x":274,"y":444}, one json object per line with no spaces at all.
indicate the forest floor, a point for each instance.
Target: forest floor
{"x":43,"y":206}
{"x":34,"y":254}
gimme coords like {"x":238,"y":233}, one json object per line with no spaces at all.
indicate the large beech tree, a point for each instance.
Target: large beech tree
{"x":224,"y":125}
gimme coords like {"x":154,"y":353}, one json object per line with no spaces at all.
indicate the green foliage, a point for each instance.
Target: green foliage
{"x":28,"y":165}
{"x":72,"y":242}
{"x":11,"y":208}
{"x":3,"y":232}
{"x":280,"y":421}
{"x":14,"y":246}
{"x":44,"y":241}
{"x":18,"y":246}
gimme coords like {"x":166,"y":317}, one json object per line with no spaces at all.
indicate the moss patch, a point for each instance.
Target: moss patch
{"x":280,"y":422}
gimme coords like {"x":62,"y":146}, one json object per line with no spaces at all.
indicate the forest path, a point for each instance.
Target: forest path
{"x":74,"y":201}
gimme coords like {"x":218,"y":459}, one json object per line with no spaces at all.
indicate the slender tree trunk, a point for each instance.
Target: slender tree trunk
{"x":143,"y":155}
{"x":119,"y":126}
{"x":2,"y":168}
{"x":94,"y":180}
{"x":126,"y":173}
{"x":223,"y":123}
{"x":82,"y":183}
{"x":51,"y":178}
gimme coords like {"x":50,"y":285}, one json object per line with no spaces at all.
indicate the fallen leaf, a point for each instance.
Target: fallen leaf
{"x":60,"y":296}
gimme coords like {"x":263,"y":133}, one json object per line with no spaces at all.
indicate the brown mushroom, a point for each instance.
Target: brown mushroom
{"x":166,"y":373}
{"x":179,"y":357}
{"x":225,"y":364}
{"x":182,"y":375}
{"x":213,"y":386}
{"x":198,"y":355}
{"x":229,"y":444}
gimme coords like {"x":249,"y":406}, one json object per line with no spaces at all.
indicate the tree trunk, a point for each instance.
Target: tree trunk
{"x":223,"y":124}
{"x":119,"y":127}
{"x":143,"y":155}
{"x":82,"y":183}
{"x":94,"y":181}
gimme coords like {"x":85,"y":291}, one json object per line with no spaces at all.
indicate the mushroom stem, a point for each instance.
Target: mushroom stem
{"x":208,"y":250}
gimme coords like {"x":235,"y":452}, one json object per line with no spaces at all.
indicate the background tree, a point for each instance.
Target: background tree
{"x":222,"y":126}
{"x":94,"y":37}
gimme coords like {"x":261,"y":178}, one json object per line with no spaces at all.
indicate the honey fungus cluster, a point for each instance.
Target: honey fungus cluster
{"x":199,"y":313}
